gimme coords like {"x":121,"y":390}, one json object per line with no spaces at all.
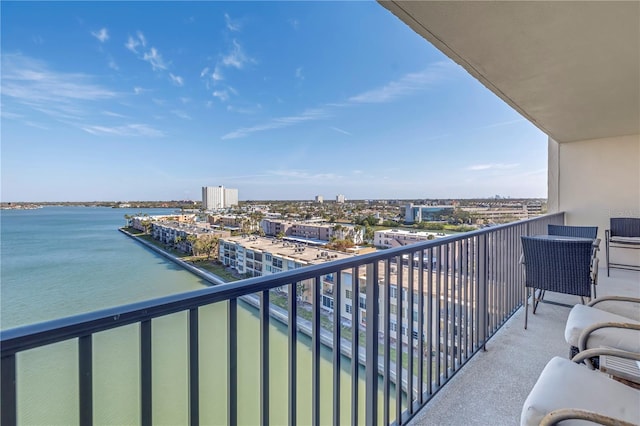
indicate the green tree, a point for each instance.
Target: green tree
{"x":192,"y":238}
{"x":207,"y":244}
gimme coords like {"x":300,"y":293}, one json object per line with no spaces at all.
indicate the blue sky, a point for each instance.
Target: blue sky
{"x":282,"y":100}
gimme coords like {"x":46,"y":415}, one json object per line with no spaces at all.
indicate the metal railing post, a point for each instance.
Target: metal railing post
{"x":293,"y":354}
{"x":85,"y":379}
{"x":232,"y":359}
{"x":9,"y":403}
{"x":264,"y":358}
{"x":372,"y":290}
{"x":482,"y":289}
{"x":194,"y":369}
{"x":146,"y":412}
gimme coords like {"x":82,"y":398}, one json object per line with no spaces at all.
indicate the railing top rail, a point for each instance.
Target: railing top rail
{"x":48,"y":332}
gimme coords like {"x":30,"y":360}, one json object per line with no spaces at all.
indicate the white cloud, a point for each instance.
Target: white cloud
{"x":217,"y":74}
{"x":502,"y":123}
{"x":126,"y":130}
{"x":177,"y":80}
{"x":492,"y":166}
{"x":278,"y":123}
{"x":243,"y":110}
{"x":340,"y":131}
{"x":102,"y":34}
{"x":236,"y":58}
{"x":31,"y":83}
{"x":407,"y":85}
{"x":113,"y":114}
{"x":142,"y":39}
{"x":139,"y":40}
{"x":204,"y":72}
{"x":299,"y":75}
{"x":304,"y":175}
{"x":155,"y":59}
{"x":132,"y":44}
{"x":231,"y":24}
{"x":223,"y":95}
{"x":112,"y":64}
{"x":294,"y":23}
{"x":138,"y":90}
{"x":182,"y":114}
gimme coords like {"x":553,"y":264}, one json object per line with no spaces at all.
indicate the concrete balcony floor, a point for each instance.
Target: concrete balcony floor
{"x":492,"y":387}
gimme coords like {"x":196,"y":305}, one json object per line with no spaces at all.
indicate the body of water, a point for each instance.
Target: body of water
{"x":60,"y":261}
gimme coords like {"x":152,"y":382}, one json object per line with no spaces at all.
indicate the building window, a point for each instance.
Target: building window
{"x":363,"y":303}
{"x":394,"y":292}
{"x":347,"y":308}
{"x":267,"y":257}
{"x":393,"y":326}
{"x":347,"y":294}
{"x":394,"y":310}
{"x":327,"y":302}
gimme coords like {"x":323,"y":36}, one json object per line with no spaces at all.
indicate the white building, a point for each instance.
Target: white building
{"x":390,"y":238}
{"x":340,"y":198}
{"x":319,"y":199}
{"x":230,"y":197}
{"x":218,"y":197}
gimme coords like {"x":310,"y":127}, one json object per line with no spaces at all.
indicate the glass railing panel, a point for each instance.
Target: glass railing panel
{"x":116,"y":376}
{"x":212,"y":331}
{"x":170,"y":370}
{"x":47,"y":384}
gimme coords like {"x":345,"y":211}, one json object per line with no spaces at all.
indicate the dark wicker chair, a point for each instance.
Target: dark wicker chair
{"x":562,"y":266}
{"x":578,"y":232}
{"x":624,"y":232}
{"x":573,"y":231}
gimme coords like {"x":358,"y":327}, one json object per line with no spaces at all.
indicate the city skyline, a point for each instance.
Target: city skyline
{"x":109,"y":101}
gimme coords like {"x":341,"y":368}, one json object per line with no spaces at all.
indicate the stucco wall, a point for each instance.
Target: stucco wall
{"x":594,"y":180}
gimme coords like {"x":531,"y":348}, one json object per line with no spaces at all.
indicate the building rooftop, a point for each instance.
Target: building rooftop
{"x":289,"y":250}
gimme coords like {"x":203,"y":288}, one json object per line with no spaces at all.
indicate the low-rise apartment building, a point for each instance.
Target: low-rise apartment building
{"x":390,"y":238}
{"x":257,"y":256}
{"x":176,"y":233}
{"x":313,"y":230}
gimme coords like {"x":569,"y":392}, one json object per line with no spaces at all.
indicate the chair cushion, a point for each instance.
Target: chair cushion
{"x":564,"y":384}
{"x":582,"y":316}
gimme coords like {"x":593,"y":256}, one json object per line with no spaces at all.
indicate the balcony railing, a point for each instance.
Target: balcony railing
{"x":462,"y":288}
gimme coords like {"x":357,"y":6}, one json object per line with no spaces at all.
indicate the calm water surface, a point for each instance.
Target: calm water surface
{"x":60,"y":261}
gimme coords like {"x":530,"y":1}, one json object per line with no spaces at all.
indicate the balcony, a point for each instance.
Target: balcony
{"x":470,"y":300}
{"x":501,"y":377}
{"x":474,"y":285}
{"x":474,"y":288}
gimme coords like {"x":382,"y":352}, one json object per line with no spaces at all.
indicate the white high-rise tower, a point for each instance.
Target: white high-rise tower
{"x":218,"y":197}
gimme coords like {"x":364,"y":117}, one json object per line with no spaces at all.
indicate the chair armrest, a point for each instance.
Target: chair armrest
{"x":562,"y":414}
{"x":586,"y":333}
{"x":594,"y":270}
{"x":614,"y":298}
{"x":590,"y":353}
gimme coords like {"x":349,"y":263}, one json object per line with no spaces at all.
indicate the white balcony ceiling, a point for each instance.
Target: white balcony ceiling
{"x":571,"y":68}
